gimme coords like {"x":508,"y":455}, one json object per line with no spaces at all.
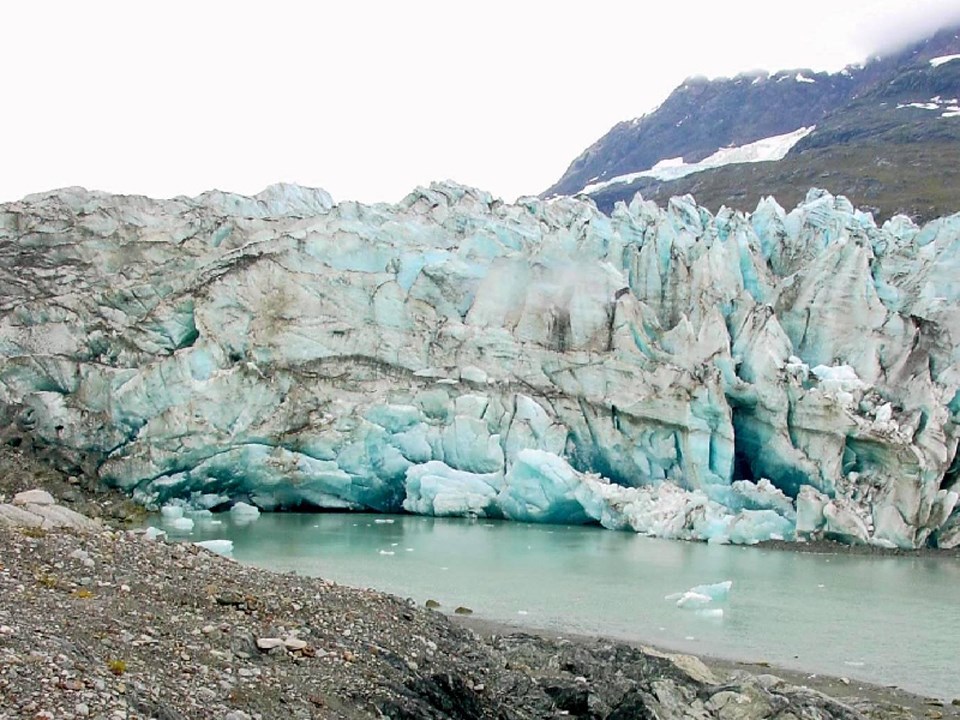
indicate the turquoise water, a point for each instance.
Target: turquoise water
{"x":887,"y":620}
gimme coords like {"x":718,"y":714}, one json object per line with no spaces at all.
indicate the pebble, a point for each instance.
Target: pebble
{"x":294,"y":643}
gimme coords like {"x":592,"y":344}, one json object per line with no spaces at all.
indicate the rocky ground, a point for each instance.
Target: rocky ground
{"x":105,"y":623}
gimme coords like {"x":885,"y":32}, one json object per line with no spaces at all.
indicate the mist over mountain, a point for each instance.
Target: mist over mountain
{"x":886,"y":133}
{"x":881,"y":37}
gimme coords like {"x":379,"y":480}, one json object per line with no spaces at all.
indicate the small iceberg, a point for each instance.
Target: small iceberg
{"x":153,"y":533}
{"x":220,"y":547}
{"x":183,"y":524}
{"x":700,"y":596}
{"x":170,"y":513}
{"x":243,"y":512}
{"x":691,"y":599}
{"x":716,"y":613}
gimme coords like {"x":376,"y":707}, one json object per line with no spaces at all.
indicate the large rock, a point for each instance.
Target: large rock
{"x":37,"y":509}
{"x":662,"y":369}
{"x":33,"y":497}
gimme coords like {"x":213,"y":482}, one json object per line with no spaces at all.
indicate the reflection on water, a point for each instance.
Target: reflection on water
{"x":889,"y":620}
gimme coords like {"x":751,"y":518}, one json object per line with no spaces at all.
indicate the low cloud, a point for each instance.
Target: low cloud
{"x":891,"y":26}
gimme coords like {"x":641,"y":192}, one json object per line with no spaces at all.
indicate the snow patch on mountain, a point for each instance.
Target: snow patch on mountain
{"x":768,"y":149}
{"x":950,"y":108}
{"x":943,"y":59}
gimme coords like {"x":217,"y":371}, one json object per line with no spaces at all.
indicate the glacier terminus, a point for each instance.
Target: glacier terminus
{"x":730,"y":377}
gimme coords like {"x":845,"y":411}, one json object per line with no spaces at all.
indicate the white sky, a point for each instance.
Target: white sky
{"x":369,"y":99}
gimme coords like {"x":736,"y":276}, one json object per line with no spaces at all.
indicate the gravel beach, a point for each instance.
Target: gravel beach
{"x":101,"y":622}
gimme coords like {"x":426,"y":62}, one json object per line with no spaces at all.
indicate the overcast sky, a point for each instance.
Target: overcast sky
{"x":369,"y":99}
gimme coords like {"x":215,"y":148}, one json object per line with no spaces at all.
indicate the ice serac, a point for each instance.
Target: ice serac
{"x":729,"y":378}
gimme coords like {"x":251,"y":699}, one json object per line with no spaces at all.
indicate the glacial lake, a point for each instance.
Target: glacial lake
{"x":886,"y":620}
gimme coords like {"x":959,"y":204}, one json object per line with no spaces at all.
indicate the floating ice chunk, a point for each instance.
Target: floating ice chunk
{"x":384,"y":521}
{"x":387,"y":552}
{"x":692,"y":599}
{"x":242,"y":508}
{"x":715,"y":591}
{"x":220,"y":547}
{"x":152,"y":533}
{"x":702,"y":595}
{"x":169,"y":513}
{"x":183,"y":524}
{"x":716,"y":613}
{"x":244,"y":512}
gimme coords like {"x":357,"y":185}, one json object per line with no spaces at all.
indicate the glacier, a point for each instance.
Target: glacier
{"x":730,"y":377}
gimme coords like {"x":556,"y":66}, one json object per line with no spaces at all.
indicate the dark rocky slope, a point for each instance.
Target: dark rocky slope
{"x":866,"y":145}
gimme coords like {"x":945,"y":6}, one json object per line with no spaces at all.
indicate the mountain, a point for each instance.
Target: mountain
{"x":721,"y":377}
{"x":886,"y":134}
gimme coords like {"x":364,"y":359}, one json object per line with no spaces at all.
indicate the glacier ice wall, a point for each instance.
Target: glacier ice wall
{"x":729,"y":377}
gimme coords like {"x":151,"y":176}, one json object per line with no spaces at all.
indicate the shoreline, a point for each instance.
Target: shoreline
{"x":831,"y":547}
{"x":724,"y":667}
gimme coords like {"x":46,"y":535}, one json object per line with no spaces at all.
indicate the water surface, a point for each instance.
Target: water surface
{"x":887,"y":620}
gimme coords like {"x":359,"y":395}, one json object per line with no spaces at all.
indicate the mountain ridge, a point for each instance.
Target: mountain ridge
{"x":876,"y":116}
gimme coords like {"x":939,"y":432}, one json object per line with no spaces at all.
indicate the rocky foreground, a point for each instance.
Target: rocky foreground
{"x":98,"y":621}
